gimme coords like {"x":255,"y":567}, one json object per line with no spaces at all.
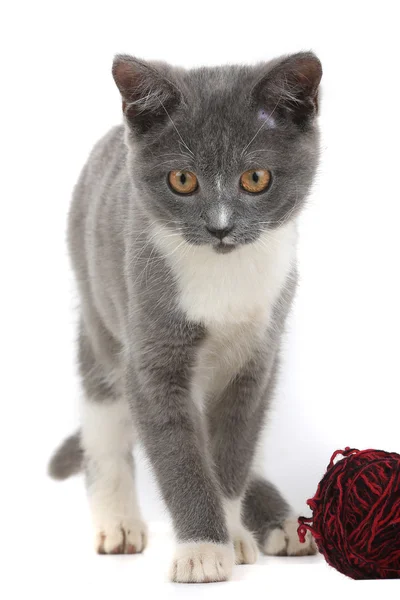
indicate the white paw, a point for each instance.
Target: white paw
{"x":246,"y":551}
{"x":127,"y":537}
{"x":202,"y":562}
{"x":285,"y":541}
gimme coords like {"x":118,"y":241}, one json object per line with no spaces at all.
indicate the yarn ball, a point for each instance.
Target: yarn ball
{"x":356,"y":514}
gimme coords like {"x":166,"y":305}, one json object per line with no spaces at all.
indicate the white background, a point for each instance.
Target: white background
{"x":340,"y":383}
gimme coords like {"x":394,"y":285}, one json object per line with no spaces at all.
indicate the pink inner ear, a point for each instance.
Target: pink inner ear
{"x":308,"y":73}
{"x":127,"y":77}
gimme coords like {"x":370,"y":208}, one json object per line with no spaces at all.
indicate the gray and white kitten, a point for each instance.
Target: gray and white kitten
{"x":182,"y":235}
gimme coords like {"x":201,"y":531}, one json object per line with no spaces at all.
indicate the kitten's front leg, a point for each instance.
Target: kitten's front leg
{"x":175,"y":441}
{"x":235,"y":420}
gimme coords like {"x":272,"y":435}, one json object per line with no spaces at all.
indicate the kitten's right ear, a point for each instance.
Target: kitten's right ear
{"x":290,"y":87}
{"x":148,"y":94}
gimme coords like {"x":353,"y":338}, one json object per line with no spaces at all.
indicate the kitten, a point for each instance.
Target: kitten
{"x":182,"y":235}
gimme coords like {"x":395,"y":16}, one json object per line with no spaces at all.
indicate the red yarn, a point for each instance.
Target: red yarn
{"x":356,"y":514}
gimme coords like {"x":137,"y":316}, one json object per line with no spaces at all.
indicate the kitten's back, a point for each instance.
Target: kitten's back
{"x":96,"y":229}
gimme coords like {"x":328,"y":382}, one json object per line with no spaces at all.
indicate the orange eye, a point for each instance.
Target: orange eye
{"x":255,"y":180}
{"x":183,"y":182}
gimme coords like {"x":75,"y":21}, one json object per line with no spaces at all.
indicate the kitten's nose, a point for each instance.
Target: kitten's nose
{"x":219,"y":233}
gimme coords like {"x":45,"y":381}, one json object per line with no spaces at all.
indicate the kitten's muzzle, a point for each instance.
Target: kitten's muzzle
{"x":219,"y":233}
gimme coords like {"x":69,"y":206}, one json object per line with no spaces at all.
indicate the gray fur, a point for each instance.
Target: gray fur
{"x":264,"y":509}
{"x":68,"y":460}
{"x":134,"y":340}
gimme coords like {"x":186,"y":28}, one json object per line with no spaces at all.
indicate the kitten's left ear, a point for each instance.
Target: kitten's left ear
{"x":148,"y":92}
{"x":290,"y":88}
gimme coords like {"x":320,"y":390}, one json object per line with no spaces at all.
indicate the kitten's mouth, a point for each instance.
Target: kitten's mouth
{"x":223,"y":248}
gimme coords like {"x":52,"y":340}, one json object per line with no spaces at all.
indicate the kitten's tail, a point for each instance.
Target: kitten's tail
{"x":67,"y":460}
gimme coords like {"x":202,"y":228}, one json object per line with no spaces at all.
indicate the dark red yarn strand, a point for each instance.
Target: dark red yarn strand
{"x":356,"y":514}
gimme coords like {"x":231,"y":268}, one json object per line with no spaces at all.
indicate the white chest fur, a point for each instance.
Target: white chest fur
{"x":232,"y":288}
{"x":233,"y":295}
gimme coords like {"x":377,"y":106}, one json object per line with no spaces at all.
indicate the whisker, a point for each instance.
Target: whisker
{"x":261,"y":126}
{"x":175,"y":127}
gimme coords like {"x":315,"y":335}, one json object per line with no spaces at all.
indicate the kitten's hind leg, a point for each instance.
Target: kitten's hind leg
{"x":107,"y":440}
{"x":267,"y":514}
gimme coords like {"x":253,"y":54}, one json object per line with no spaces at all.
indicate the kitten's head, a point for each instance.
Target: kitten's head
{"x":222,"y":154}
